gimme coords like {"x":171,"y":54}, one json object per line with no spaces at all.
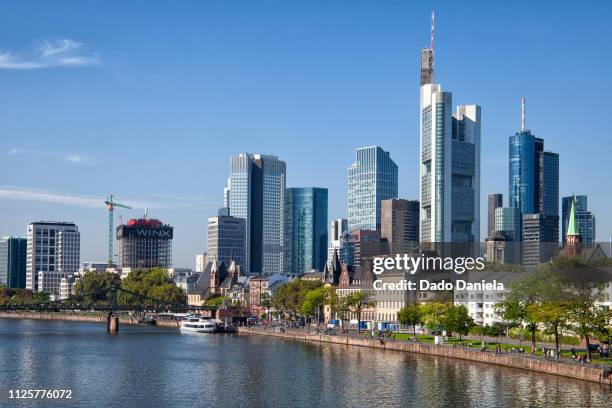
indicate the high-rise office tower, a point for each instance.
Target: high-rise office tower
{"x":540,"y":239}
{"x":13,"y":259}
{"x":585,"y":218}
{"x":257,"y":194}
{"x":338,"y":240}
{"x":508,"y":221}
{"x":371,"y":179}
{"x":305,"y":230}
{"x":400,"y":223}
{"x":226,"y":235}
{"x":533,"y":176}
{"x":450,"y":165}
{"x":494,"y":201}
{"x":53,"y":253}
{"x":145,"y":243}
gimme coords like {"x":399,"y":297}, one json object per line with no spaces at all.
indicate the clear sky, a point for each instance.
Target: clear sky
{"x":148,"y":100}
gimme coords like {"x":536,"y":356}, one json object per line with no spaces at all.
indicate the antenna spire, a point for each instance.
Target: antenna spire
{"x":523,"y":114}
{"x":433,"y":30}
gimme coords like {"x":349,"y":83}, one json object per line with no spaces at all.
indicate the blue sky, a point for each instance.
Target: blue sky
{"x":148,"y":100}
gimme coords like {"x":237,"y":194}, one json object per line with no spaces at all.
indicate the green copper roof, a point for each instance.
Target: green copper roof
{"x":572,"y":227}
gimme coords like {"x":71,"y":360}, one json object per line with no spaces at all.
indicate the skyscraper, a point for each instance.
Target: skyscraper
{"x":13,"y":258}
{"x":450,"y":164}
{"x":371,"y":179}
{"x":585,"y":218}
{"x":53,"y":253}
{"x":494,"y":201}
{"x":540,"y":239}
{"x":305,"y":230}
{"x":338,"y":240}
{"x":400,"y":223}
{"x":533,"y":177}
{"x":257,"y":194}
{"x":226,"y":235}
{"x":145,"y":243}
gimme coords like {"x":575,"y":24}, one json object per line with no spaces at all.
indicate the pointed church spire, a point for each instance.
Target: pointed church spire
{"x":572,"y":227}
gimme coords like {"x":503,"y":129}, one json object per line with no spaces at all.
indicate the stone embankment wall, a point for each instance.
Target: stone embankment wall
{"x":80,"y":318}
{"x":581,"y":372}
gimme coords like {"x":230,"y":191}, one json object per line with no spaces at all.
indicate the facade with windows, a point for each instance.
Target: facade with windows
{"x":585,"y":218}
{"x":13,"y":258}
{"x":305,"y":230}
{"x":257,"y":193}
{"x":540,"y":239}
{"x":371,"y":179}
{"x":338,"y":240}
{"x":53,"y":253}
{"x":226,"y":236}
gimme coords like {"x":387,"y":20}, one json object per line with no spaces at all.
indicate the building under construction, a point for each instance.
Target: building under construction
{"x":145,"y":243}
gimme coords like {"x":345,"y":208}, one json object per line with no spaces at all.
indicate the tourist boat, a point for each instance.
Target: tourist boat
{"x":198,"y":325}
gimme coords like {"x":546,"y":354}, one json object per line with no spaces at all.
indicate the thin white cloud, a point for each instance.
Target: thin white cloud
{"x":76,"y":158}
{"x":17,"y":193}
{"x":57,"y":53}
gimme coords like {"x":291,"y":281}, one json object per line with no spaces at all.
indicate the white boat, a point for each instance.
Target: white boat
{"x":198,"y":325}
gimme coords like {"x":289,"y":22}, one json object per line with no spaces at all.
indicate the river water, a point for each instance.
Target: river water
{"x":152,"y":367}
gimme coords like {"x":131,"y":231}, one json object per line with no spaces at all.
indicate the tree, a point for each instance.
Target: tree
{"x":586,"y":318}
{"x":313,"y":303}
{"x":410,"y":315}
{"x":552,"y":314}
{"x":457,"y":320}
{"x":153,"y":284}
{"x":288,"y":298}
{"x":96,"y":286}
{"x":357,"y":302}
{"x":433,"y":314}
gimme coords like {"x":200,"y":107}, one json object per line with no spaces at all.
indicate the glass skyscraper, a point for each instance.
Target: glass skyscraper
{"x":13,"y":259}
{"x":533,"y":179}
{"x":256,"y":192}
{"x":305,"y":230}
{"x":586,"y":219}
{"x":371,"y":179}
{"x":508,"y":221}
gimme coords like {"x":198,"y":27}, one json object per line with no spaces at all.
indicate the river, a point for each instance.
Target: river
{"x":152,"y":367}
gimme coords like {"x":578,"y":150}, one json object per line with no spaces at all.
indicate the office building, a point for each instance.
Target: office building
{"x":53,"y":253}
{"x":585,"y":218}
{"x":145,"y":243}
{"x":226,"y":240}
{"x":13,"y":259}
{"x":494,"y":201}
{"x":508,"y":220}
{"x":533,"y":176}
{"x":449,"y":163}
{"x":338,"y":240}
{"x":305,"y":230}
{"x":201,"y":261}
{"x":371,"y":179}
{"x":256,"y":192}
{"x":400,"y":224}
{"x":540,"y":239}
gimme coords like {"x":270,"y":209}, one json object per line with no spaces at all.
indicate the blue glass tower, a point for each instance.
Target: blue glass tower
{"x":585,"y":218}
{"x":305,"y":234}
{"x":371,"y":179}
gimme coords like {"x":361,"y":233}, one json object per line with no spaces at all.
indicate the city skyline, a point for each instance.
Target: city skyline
{"x":68,"y":146}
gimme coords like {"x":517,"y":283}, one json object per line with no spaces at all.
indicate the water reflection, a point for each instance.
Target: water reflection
{"x":148,"y":367}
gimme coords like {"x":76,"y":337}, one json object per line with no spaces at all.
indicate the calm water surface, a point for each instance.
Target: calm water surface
{"x":148,"y":367}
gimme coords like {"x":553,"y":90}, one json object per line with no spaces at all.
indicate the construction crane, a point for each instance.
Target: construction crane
{"x":110,"y":204}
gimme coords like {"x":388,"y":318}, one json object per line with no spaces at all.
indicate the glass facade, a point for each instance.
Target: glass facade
{"x":305,"y":230}
{"x":226,"y":240}
{"x":508,"y":220}
{"x":586,"y":219}
{"x":257,"y":193}
{"x":13,"y":256}
{"x":371,"y":179}
{"x":524,"y":151}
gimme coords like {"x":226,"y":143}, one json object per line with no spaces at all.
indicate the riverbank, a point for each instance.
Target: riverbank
{"x":83,"y":318}
{"x":514,"y":360}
